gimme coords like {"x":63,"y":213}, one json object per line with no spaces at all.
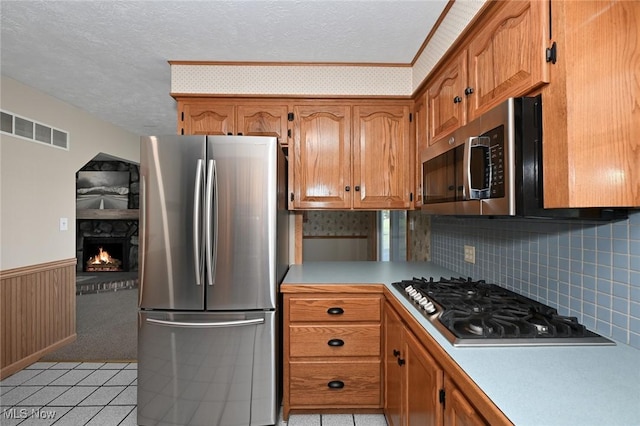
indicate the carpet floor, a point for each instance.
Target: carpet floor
{"x":106,"y":327}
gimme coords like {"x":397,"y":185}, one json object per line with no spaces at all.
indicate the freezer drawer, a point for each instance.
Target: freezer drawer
{"x":207,"y":368}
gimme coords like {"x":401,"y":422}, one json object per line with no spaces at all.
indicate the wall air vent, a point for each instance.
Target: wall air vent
{"x":33,"y":131}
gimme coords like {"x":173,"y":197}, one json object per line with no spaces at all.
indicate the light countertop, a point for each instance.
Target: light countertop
{"x":532,"y":385}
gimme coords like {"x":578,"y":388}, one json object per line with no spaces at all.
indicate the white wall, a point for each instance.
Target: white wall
{"x":37,"y":182}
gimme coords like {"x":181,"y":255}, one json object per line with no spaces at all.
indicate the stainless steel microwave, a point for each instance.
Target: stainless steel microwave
{"x":493,"y":167}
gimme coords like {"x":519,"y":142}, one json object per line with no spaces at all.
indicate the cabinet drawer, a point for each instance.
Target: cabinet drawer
{"x":329,"y":340}
{"x":355,"y":383}
{"x":325,"y":309}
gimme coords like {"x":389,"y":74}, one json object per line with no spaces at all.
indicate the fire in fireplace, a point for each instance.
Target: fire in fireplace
{"x":105,"y":255}
{"x":103,"y":262}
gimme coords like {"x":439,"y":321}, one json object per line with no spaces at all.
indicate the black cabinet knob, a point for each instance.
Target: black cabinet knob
{"x":335,"y":311}
{"x":396,"y":353}
{"x":457,"y":100}
{"x":401,"y":362}
{"x":468,"y":91}
{"x":335,"y":342}
{"x":336,"y":384}
{"x":347,"y":188}
{"x":357,"y":188}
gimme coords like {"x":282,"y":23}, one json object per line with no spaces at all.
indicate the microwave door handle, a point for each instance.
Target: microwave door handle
{"x":197,"y":233}
{"x":475,"y":141}
{"x":466,"y":170}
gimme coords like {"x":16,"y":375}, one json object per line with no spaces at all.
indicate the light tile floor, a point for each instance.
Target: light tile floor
{"x":103,"y":394}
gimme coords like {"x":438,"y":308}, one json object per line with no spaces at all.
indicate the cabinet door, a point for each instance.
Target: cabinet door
{"x":458,"y":411}
{"x":507,"y":57}
{"x":424,"y":381}
{"x":321,"y":157}
{"x":262,"y":120}
{"x":446,"y":104}
{"x":381,"y":157}
{"x":393,"y":372}
{"x":590,"y":115}
{"x":207,"y":118}
{"x":421,"y":142}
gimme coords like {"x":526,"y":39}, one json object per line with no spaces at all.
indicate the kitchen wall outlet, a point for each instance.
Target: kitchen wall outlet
{"x":64,"y":224}
{"x":470,"y":254}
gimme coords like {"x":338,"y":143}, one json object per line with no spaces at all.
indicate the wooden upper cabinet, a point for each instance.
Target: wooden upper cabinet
{"x":320,"y":156}
{"x":420,"y":144}
{"x":233,"y":117}
{"x":206,"y":118}
{"x":591,"y":109}
{"x":507,"y":57}
{"x":381,"y":157}
{"x":504,"y":57}
{"x":445,"y":96}
{"x":262,"y":120}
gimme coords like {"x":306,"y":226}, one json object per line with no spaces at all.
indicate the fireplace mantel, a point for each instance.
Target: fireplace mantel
{"x":108,"y":214}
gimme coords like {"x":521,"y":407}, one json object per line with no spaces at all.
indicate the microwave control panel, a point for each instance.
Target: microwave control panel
{"x":496,"y":162}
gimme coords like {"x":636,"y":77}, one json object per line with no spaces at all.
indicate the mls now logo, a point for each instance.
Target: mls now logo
{"x":28,"y":413}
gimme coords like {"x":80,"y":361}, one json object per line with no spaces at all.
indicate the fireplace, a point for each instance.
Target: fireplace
{"x":113,"y":228}
{"x":102,"y":254}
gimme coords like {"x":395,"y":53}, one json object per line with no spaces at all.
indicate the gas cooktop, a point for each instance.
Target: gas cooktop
{"x":474,"y":313}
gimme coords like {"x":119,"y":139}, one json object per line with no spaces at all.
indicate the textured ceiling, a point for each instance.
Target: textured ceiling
{"x":109,"y":58}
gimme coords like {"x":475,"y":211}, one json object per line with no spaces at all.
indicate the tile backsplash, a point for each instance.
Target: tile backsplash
{"x":590,"y":271}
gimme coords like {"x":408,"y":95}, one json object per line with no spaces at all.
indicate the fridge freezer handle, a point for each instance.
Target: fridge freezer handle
{"x":211,"y":210}
{"x":197,"y":234}
{"x":237,"y":323}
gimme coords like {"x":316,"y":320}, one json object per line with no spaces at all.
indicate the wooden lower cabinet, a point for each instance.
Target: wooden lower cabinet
{"x":458,"y":411}
{"x":424,"y":378}
{"x":332,"y":358}
{"x":412,"y":377}
{"x":355,"y":348}
{"x":418,"y":391}
{"x":335,"y":384}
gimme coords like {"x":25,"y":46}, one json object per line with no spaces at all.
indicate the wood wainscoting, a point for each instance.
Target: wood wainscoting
{"x":37,"y":312}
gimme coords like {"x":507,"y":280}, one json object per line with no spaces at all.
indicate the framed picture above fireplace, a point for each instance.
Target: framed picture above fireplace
{"x":102,"y":190}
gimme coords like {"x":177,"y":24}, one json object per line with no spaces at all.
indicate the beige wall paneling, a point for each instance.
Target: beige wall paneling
{"x":38,"y":312}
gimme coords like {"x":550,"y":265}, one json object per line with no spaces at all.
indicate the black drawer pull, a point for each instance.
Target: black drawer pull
{"x":335,"y":311}
{"x":336,"y":384}
{"x":396,"y":353}
{"x":401,"y":362}
{"x":335,"y":342}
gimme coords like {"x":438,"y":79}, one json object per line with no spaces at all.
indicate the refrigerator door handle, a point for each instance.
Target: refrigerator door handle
{"x":142,"y":235}
{"x":237,"y":323}
{"x":211,"y":210}
{"x":197,"y":234}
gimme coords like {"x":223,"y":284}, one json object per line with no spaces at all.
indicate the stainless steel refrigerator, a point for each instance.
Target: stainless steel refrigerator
{"x":213,"y":251}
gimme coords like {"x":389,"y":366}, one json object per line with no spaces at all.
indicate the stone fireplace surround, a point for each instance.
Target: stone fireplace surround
{"x":118,"y":226}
